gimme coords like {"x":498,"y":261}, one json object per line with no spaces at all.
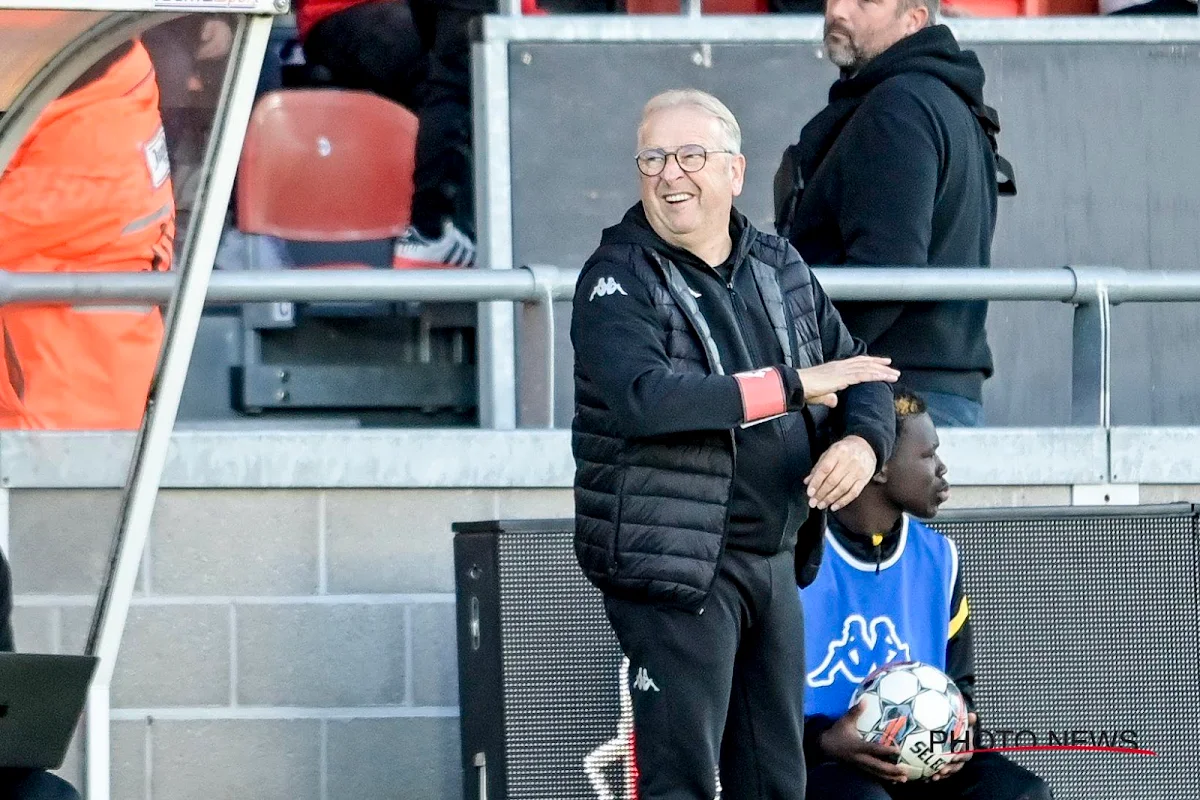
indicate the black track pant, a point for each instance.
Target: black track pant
{"x":721,"y":688}
{"x":987,"y":776}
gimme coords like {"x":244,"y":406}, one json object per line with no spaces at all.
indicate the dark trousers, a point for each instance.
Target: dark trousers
{"x":417,"y":54}
{"x":987,"y":776}
{"x":719,"y":690}
{"x":372,"y":47}
{"x":444,"y":178}
{"x":34,"y":784}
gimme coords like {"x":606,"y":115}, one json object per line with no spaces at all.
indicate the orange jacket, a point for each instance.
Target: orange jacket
{"x":88,"y":190}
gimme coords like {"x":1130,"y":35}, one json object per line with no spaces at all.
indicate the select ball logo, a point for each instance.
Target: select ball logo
{"x":915,"y":707}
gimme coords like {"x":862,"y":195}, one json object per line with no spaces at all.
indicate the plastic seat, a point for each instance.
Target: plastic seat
{"x":1022,"y":8}
{"x":985,"y":8}
{"x":1042,"y":8}
{"x":327,"y":165}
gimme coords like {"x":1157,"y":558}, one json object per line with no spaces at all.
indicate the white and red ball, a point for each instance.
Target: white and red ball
{"x":915,"y":707}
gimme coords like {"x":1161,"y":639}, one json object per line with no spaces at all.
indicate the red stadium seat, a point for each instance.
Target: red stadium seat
{"x":327,"y":165}
{"x":1041,"y":8}
{"x":1020,"y":8}
{"x":983,"y":8}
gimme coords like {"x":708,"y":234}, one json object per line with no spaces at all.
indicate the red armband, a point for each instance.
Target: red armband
{"x":762,"y":394}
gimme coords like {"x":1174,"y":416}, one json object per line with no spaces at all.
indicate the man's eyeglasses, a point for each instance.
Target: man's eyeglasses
{"x":690,"y":158}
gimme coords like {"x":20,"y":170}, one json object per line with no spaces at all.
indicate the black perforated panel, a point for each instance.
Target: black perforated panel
{"x":1084,"y":623}
{"x":561,"y":665}
{"x":1090,"y":624}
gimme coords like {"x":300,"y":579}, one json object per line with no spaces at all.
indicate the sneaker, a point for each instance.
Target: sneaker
{"x":452,"y":249}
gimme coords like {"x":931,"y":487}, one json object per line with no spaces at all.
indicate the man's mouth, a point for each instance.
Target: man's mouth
{"x":675,"y":198}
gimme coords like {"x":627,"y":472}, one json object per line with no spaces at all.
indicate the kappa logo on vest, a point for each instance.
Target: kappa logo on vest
{"x":604,"y":287}
{"x":642,"y":681}
{"x":862,"y":648}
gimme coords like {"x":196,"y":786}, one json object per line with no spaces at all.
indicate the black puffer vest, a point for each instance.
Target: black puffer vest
{"x":651,"y":513}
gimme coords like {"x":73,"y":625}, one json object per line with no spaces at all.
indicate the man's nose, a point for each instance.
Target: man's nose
{"x":671,"y":169}
{"x":941,"y":468}
{"x":835,"y":10}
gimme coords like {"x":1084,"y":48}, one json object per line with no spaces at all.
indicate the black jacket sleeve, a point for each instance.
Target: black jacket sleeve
{"x":872,"y":320}
{"x":888,"y":191}
{"x":6,"y":605}
{"x":960,"y":649}
{"x":620,"y":347}
{"x":887,"y":197}
{"x":867,"y":409}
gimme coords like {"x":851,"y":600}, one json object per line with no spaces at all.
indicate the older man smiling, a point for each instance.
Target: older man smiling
{"x":700,"y":344}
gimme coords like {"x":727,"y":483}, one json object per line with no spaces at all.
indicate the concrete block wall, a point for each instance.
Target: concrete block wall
{"x":282,"y":644}
{"x":292,"y":631}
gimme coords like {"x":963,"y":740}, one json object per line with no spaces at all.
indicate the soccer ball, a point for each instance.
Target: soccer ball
{"x":915,"y":707}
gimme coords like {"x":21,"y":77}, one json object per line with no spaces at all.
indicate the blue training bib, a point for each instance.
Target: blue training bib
{"x":856,"y":620}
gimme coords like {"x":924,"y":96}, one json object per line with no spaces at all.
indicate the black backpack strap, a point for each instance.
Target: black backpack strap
{"x":789,"y":184}
{"x":1006,"y":177}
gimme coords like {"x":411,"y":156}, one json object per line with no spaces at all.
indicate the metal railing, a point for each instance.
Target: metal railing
{"x":1091,"y":290}
{"x":1079,"y":285}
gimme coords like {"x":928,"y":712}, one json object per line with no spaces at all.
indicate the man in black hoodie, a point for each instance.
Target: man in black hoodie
{"x":900,"y":170}
{"x":699,"y":343}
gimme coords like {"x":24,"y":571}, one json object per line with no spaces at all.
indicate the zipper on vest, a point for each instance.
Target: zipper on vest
{"x":737,"y":318}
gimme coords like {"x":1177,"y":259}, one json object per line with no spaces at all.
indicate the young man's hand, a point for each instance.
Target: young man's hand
{"x":843,"y":742}
{"x":958,"y":759}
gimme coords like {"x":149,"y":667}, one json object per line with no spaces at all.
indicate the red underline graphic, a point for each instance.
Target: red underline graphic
{"x":1090,"y":748}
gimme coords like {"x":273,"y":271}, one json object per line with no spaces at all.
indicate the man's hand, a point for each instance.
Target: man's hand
{"x":843,"y":742}
{"x":824,"y":381}
{"x":841,"y":473}
{"x":958,"y":759}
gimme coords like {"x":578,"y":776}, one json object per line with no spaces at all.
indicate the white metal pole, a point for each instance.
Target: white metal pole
{"x":150,"y":453}
{"x":496,"y":342}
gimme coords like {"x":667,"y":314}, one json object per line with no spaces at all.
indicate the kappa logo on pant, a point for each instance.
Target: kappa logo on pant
{"x":619,"y":750}
{"x":642,"y":681}
{"x":604,"y":287}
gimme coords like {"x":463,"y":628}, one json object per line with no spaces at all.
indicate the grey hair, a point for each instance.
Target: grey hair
{"x":731,"y":132}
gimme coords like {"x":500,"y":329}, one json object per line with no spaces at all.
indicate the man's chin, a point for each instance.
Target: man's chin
{"x":841,"y":54}
{"x":681,"y":222}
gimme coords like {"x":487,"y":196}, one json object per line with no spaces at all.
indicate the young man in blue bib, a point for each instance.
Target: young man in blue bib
{"x":890,"y":589}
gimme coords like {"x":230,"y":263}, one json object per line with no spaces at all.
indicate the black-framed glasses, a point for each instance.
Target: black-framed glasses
{"x":690,"y":158}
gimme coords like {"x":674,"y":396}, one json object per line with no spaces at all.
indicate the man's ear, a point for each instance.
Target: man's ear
{"x":737,"y":166}
{"x":918,"y":18}
{"x":881,"y":476}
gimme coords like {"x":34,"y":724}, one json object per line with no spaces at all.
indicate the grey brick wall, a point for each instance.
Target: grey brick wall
{"x":285,"y":644}
{"x":282,"y":644}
